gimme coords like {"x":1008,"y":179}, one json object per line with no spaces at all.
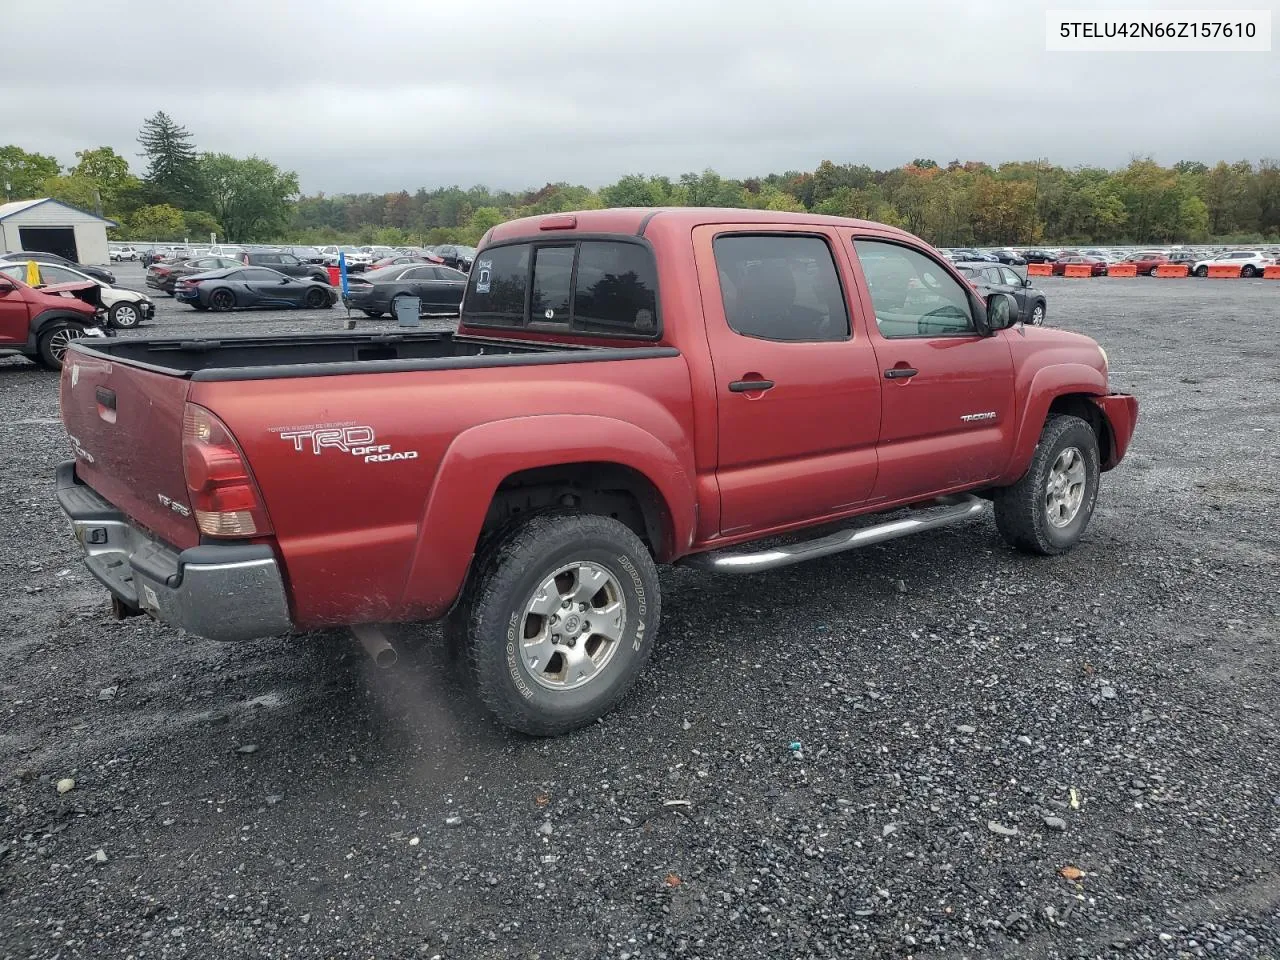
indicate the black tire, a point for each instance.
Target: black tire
{"x":494,"y":613}
{"x":316,"y":299}
{"x":1248,"y":271}
{"x":1022,"y":511}
{"x":53,"y":343}
{"x":222,"y":300}
{"x":1202,"y":271}
{"x":374,"y":314}
{"x":124,"y":315}
{"x":1038,"y":313}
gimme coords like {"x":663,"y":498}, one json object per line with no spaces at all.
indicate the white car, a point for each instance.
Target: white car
{"x":125,"y":308}
{"x":124,"y":253}
{"x":1250,"y":262}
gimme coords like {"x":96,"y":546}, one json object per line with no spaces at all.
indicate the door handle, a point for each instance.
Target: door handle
{"x":900,"y":373}
{"x":750,"y":386}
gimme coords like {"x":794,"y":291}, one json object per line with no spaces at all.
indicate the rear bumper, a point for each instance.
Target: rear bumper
{"x":223,"y":592}
{"x":1121,"y":411}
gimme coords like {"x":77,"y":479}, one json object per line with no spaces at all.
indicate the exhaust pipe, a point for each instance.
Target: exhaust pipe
{"x":376,"y":645}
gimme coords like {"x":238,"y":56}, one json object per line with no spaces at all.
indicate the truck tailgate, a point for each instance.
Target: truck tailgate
{"x":125,"y":426}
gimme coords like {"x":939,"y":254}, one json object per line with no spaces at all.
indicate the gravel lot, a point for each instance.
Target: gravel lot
{"x":999,"y":756}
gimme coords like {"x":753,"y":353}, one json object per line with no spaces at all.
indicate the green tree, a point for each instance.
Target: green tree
{"x":173,"y":174}
{"x":109,"y":171}
{"x":24,"y":173}
{"x":199,"y":224}
{"x":252,"y":198}
{"x":75,"y":189}
{"x":157,"y":222}
{"x":482,"y":220}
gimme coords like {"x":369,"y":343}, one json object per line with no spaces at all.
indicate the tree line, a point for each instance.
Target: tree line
{"x":186,"y":193}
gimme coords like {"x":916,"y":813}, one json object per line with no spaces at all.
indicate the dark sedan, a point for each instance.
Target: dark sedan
{"x":1038,"y":256}
{"x":455,"y":255}
{"x":98,"y":273}
{"x":405,"y":258}
{"x":165,"y":276}
{"x":438,"y":288}
{"x":997,"y":278}
{"x":245,"y":287}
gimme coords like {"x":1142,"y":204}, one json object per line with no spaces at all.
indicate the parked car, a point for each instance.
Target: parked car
{"x":307,"y":254}
{"x":1098,"y":264}
{"x":582,"y":425}
{"x":1250,"y":262}
{"x":123,"y":253}
{"x":1009,"y":257}
{"x":233,"y":250}
{"x":98,"y":273}
{"x":124,"y":308}
{"x":406,"y":258}
{"x":456,"y":255}
{"x":356,"y":259}
{"x":40,"y":323}
{"x":1146,"y":262}
{"x":1038,"y":256}
{"x":244,"y":287}
{"x":165,"y":276}
{"x":1185,"y":257}
{"x":997,"y":278}
{"x":285,"y":263}
{"x":375,"y":292}
{"x":969,"y":255}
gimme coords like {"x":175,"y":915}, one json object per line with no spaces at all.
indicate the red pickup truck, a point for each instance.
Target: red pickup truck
{"x":625,"y":388}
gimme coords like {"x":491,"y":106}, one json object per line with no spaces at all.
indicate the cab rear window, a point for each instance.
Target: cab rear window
{"x":598,"y":287}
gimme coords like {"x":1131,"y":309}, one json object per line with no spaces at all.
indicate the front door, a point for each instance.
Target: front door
{"x":948,"y":392}
{"x":797,"y":388}
{"x":13,"y":313}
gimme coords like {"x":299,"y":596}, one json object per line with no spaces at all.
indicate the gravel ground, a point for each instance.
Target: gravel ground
{"x":999,"y":756}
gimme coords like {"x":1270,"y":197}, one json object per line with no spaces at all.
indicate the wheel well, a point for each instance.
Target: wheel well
{"x":1079,"y":405}
{"x":607,"y":489}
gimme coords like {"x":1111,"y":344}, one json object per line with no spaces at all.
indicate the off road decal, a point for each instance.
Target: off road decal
{"x":358,"y":440}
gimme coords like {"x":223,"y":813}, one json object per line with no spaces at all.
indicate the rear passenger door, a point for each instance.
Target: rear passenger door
{"x":948,"y":406}
{"x":797,"y":386}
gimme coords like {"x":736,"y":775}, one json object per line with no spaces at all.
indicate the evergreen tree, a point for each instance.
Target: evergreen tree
{"x":173,"y":176}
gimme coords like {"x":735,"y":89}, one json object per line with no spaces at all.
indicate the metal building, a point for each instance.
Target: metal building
{"x":51,"y":226}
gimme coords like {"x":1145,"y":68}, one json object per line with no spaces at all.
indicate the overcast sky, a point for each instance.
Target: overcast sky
{"x":395,"y":94}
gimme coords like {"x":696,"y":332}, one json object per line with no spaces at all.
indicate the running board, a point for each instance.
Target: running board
{"x":948,"y":511}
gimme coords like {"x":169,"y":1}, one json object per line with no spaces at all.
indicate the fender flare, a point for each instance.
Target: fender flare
{"x":1048,"y":383}
{"x":479,"y":459}
{"x":54,"y":314}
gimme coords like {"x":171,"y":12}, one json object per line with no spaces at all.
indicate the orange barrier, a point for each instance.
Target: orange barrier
{"x":1224,"y":270}
{"x":1271,"y":273}
{"x":1122,"y":270}
{"x":1039,"y":269}
{"x":1172,"y":270}
{"x":1078,"y":270}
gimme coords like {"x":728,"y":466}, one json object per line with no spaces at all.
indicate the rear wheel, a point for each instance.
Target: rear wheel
{"x":1048,"y":510}
{"x":1202,"y":271}
{"x":221,"y":300}
{"x":53,"y":343}
{"x":316,"y":298}
{"x":1248,"y":271}
{"x":124,"y":315}
{"x":559,"y":620}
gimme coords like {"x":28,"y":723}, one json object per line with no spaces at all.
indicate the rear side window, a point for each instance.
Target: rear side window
{"x":781,"y":287}
{"x":604,"y":287}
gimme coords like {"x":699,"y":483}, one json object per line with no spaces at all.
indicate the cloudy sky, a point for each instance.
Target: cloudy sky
{"x":394,"y":94}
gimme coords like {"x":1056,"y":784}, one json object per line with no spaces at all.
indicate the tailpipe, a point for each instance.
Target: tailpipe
{"x":376,"y":645}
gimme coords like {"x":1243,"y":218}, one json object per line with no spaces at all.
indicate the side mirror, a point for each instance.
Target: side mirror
{"x":284,"y":279}
{"x":6,"y":287}
{"x":1002,"y":312}
{"x":1026,"y":281}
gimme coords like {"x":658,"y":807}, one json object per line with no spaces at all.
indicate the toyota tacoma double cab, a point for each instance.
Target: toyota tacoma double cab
{"x":40,"y":322}
{"x":735,"y":390}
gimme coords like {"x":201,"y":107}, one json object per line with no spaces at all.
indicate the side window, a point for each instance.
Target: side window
{"x":991,"y":275}
{"x":912,"y":294}
{"x":781,"y":287}
{"x":617,"y":289}
{"x":266,"y":259}
{"x":289,"y":259}
{"x":496,"y":291}
{"x":51,"y":275}
{"x":552,"y":285}
{"x":259,"y":275}
{"x":1011,"y":278}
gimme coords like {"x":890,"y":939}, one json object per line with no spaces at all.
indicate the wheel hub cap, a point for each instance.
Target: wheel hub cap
{"x":1064,"y":490}
{"x":572,"y":626}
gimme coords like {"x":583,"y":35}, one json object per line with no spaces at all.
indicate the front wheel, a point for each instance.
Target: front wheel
{"x":1048,"y":510}
{"x":317,"y":298}
{"x":1248,"y":271}
{"x":53,"y":343}
{"x":1202,"y":271}
{"x":124,"y":315}
{"x":1037,"y":315}
{"x":559,"y":620}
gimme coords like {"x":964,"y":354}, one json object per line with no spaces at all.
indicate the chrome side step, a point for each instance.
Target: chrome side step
{"x":949,"y":510}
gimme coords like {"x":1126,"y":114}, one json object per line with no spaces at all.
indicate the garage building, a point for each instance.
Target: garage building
{"x":51,"y":226}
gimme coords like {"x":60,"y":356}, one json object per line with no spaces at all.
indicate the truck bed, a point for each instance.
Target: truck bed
{"x":334,"y":354}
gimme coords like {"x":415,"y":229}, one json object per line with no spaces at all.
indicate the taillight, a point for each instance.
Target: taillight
{"x":223,"y":494}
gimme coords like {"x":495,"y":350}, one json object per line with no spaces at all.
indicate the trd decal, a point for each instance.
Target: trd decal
{"x":354,"y":439}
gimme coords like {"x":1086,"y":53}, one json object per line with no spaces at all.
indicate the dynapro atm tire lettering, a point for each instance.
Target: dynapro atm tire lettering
{"x":358,"y":441}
